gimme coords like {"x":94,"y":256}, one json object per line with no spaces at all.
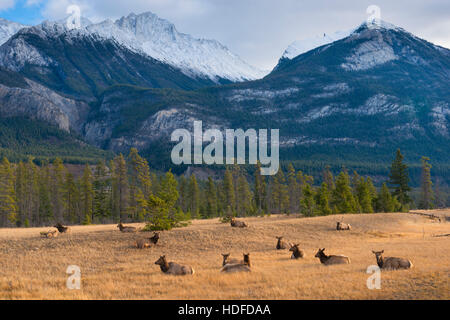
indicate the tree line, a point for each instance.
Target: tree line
{"x":125,"y":189}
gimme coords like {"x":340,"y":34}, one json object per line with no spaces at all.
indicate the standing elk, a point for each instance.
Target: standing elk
{"x":391,"y":262}
{"x":331,"y":259}
{"x":173,"y":268}
{"x":296,"y":252}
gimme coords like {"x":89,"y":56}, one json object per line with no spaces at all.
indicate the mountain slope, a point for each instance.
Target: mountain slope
{"x":8,"y":29}
{"x":158,"y":38}
{"x":354,"y":100}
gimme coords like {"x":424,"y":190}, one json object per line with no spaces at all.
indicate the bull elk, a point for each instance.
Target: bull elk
{"x":331,"y":259}
{"x":391,"y":262}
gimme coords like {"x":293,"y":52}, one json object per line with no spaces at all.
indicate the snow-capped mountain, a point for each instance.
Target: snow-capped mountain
{"x":299,"y":47}
{"x":8,"y":28}
{"x":159,"y":39}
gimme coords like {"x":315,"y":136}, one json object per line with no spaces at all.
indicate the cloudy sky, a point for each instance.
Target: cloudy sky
{"x":257,"y":30}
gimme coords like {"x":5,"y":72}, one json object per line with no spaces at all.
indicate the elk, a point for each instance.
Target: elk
{"x":61,"y":228}
{"x":238,"y":224}
{"x":142,"y":243}
{"x":282,"y":244}
{"x":123,"y":228}
{"x":331,"y":259}
{"x":228,"y":260}
{"x":173,"y":268}
{"x":155,"y":238}
{"x":343,"y":226}
{"x":391,"y":262}
{"x":50,"y":234}
{"x":296,"y":252}
{"x":243,"y":266}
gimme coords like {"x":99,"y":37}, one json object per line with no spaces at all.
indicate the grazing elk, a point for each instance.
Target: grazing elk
{"x":282,"y":244}
{"x":173,"y":268}
{"x":155,"y":238}
{"x":343,"y":226}
{"x":331,"y":259}
{"x":238,"y":224}
{"x":391,"y":262}
{"x":228,"y":260}
{"x":49,"y":234}
{"x":243,"y":266}
{"x":61,"y":228}
{"x":123,"y":228}
{"x":296,"y":252}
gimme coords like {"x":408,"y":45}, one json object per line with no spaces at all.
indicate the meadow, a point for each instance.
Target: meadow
{"x":32,"y":267}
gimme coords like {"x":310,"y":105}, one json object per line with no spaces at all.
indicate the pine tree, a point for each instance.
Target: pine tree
{"x":293,"y":189}
{"x":8,"y":204}
{"x":280,"y":195}
{"x":45,"y":207}
{"x":426,"y":187}
{"x":21,"y":192}
{"x":87,"y":195}
{"x":323,"y":200}
{"x":211,"y":199}
{"x":399,"y":179}
{"x":343,"y":200}
{"x":244,"y":197}
{"x":71,"y":199}
{"x":140,"y":182}
{"x":228,"y":190}
{"x":328,"y":178}
{"x":385,"y":201}
{"x":57,"y":189}
{"x":194,"y":197}
{"x":364,"y":196}
{"x":101,"y":192}
{"x":307,"y":202}
{"x":120,"y":188}
{"x":260,"y":191}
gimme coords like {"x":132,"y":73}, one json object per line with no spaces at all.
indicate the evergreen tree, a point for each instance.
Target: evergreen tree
{"x":228,"y":190}
{"x":244,"y":197}
{"x":343,"y":200}
{"x":71,"y":199}
{"x":364,"y":196}
{"x":8,"y":204}
{"x":211,"y":199}
{"x":328,"y":178}
{"x":194,"y":197}
{"x":386,"y":202}
{"x":293,"y":189}
{"x":120,"y":188}
{"x":307,"y":202}
{"x":323,"y":200}
{"x":57,"y":189}
{"x":280,"y":195}
{"x":101,"y":192}
{"x":399,"y":179}
{"x":87,"y":195}
{"x":260,"y":190}
{"x":45,"y":207}
{"x":426,"y":187}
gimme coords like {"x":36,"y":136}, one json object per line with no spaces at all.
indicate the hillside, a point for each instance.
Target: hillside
{"x":34,"y":268}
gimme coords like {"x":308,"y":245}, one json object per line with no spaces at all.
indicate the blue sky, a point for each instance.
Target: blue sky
{"x":26,"y":13}
{"x":257,"y":30}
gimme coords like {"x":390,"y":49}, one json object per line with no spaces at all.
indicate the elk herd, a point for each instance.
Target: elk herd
{"x":232,"y":265}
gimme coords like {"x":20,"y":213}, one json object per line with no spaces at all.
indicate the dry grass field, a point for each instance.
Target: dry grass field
{"x":35,"y":268}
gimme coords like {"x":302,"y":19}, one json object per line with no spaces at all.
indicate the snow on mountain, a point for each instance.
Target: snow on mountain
{"x":301,"y":46}
{"x":8,"y":28}
{"x":158,"y":38}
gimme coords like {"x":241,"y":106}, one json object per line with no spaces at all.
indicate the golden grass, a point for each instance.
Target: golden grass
{"x":32,"y":267}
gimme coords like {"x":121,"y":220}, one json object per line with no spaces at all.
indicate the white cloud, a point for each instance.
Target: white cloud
{"x":6,"y":4}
